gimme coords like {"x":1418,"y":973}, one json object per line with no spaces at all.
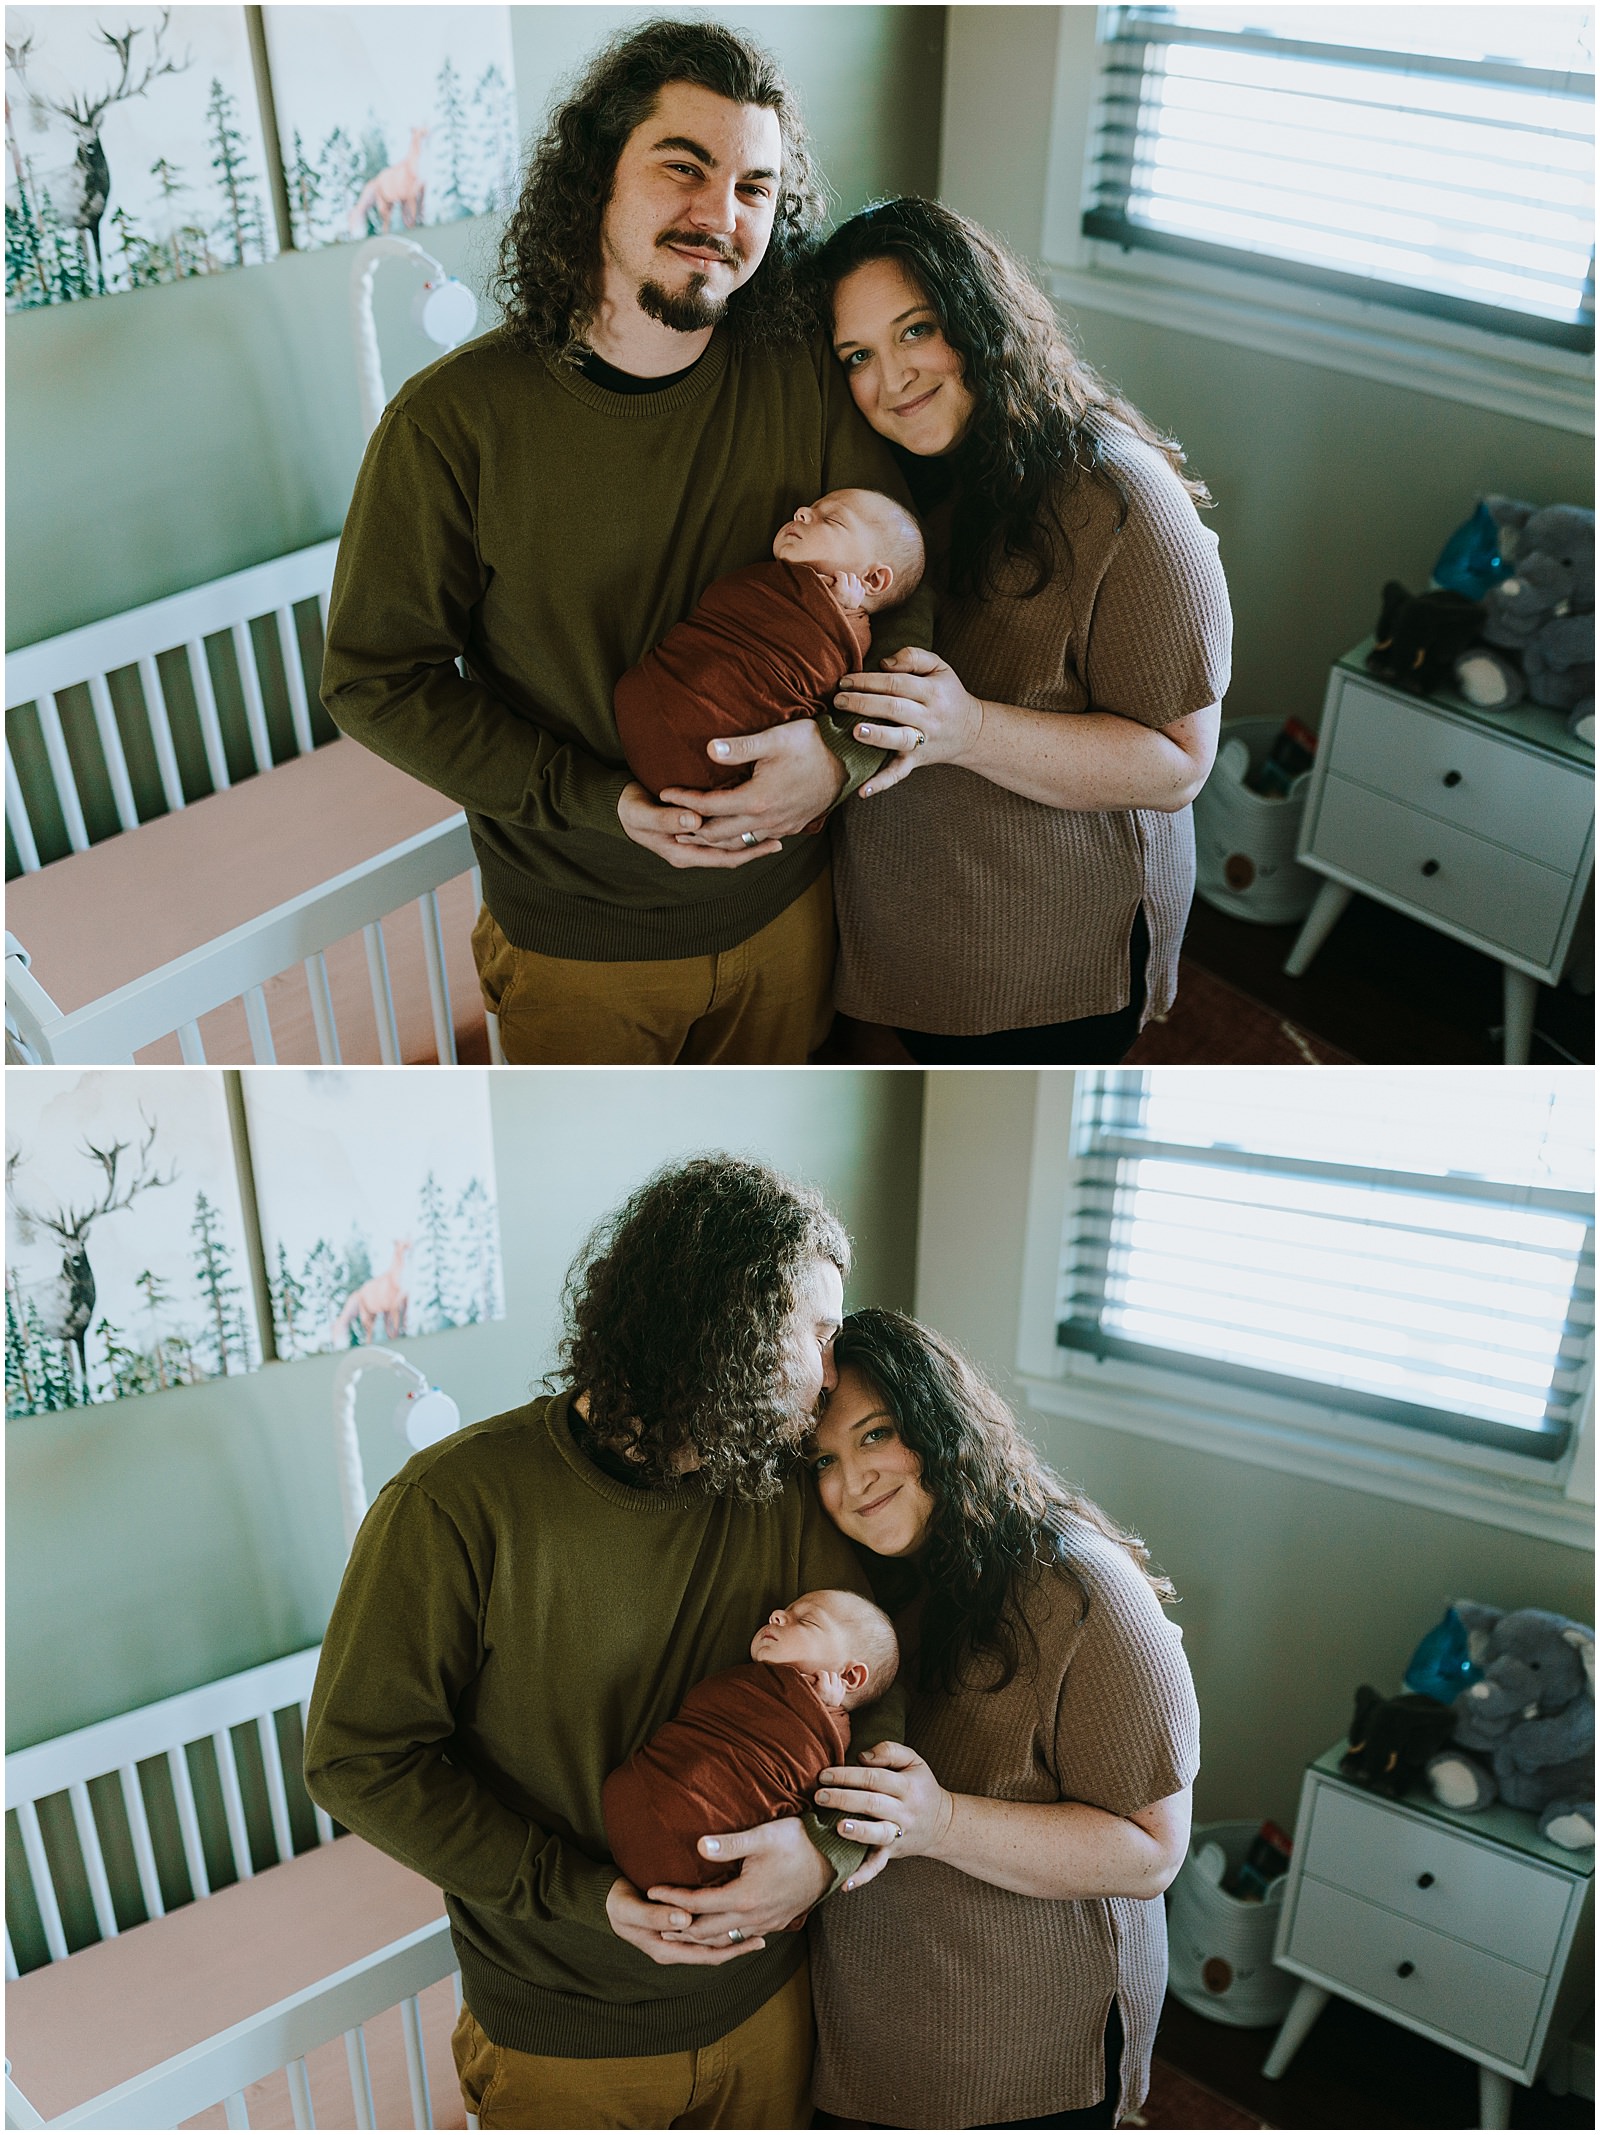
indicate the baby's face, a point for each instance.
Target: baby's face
{"x":805,"y":1635}
{"x":838,"y":534}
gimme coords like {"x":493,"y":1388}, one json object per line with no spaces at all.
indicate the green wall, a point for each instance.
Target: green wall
{"x":158,"y":1543}
{"x":1293,"y":1591}
{"x":161,"y":438}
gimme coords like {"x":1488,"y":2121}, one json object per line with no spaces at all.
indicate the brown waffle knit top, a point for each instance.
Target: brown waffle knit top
{"x":945,"y":2002}
{"x":964,"y":908}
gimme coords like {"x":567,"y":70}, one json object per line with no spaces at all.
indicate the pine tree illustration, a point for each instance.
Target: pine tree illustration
{"x":339,"y":167}
{"x":494,"y":129}
{"x":475,"y":1223}
{"x":450,"y":129}
{"x":241,"y":211}
{"x":170,"y":182}
{"x":157,"y":1298}
{"x":320,"y":1279}
{"x":289,"y":1302}
{"x":220,"y":1294}
{"x":20,"y":1398}
{"x":433,"y":1243}
{"x":305,"y":194}
{"x":27,"y":278}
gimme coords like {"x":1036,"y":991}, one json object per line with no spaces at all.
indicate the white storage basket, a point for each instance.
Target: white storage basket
{"x":1244,"y":841}
{"x":1220,"y":1947}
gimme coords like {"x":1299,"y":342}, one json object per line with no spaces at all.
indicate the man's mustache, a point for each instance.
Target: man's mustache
{"x":730,"y":255}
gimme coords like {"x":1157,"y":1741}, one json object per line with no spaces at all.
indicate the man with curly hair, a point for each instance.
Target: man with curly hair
{"x":545,"y":503}
{"x":532,"y":1599}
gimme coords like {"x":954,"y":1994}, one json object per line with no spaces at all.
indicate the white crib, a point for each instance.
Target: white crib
{"x":227,"y":2005}
{"x":301,"y":900}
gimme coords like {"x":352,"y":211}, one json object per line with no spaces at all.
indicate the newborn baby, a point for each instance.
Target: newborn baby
{"x":768,"y":643}
{"x":747,"y":1744}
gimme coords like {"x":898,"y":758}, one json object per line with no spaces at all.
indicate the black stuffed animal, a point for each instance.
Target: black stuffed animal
{"x":1391,"y":1739}
{"x":1420,"y":637}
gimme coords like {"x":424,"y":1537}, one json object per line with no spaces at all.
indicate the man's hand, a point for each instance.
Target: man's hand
{"x":662,"y":831}
{"x":796,"y":779}
{"x":645,"y":1925}
{"x":782,"y":1876}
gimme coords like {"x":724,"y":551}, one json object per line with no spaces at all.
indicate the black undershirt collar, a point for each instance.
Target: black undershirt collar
{"x":600,"y":373}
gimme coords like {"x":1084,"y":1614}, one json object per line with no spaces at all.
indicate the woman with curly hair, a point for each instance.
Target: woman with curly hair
{"x":1023,"y":895}
{"x":1039,"y":1804}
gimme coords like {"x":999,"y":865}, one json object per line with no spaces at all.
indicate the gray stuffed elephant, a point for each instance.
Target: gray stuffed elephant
{"x":1524,"y":1734}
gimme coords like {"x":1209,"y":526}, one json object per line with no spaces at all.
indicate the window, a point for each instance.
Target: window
{"x":1436,"y":159}
{"x":1411,"y":1250}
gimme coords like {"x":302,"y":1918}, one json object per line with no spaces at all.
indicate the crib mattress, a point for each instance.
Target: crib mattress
{"x":179,"y":882}
{"x":79,"y":2027}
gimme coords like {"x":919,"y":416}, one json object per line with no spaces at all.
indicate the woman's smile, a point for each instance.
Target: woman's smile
{"x":869,"y":1479}
{"x":904,"y":376}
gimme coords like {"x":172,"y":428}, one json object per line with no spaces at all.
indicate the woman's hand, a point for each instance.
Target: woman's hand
{"x":668,"y":832}
{"x":796,"y":779}
{"x":919,"y":707}
{"x":897,"y":1807}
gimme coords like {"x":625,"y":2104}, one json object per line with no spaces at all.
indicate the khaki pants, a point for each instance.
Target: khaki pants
{"x":757,"y":2076}
{"x":768,"y":1000}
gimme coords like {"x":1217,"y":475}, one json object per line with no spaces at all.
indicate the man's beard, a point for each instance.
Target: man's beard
{"x":689,"y":312}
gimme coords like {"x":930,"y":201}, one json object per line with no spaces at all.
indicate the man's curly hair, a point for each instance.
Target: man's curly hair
{"x":549,"y":277}
{"x":675,"y":1313}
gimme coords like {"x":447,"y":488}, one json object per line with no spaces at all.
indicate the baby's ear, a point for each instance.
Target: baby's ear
{"x":879,"y":579}
{"x":855,"y":1675}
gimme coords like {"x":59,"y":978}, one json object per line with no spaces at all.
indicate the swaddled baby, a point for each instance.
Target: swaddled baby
{"x":770,"y":642}
{"x":747,"y":1744}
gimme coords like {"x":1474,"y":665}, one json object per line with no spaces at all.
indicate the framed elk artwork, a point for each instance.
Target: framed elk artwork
{"x":134,"y":150}
{"x":376,"y":1198}
{"x":391,"y":118}
{"x":127,"y":1268}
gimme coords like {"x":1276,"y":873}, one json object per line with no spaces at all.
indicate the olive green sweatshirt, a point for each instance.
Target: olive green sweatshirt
{"x":511,"y":1626}
{"x":549,"y":532}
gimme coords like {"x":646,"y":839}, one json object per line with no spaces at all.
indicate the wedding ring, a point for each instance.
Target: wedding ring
{"x":917,"y":737}
{"x":748,"y":837}
{"x":898,"y":1833}
{"x":736,"y":1934}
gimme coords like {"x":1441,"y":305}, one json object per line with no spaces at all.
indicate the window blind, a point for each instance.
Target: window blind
{"x":1435,"y":158}
{"x":1414,"y":1249}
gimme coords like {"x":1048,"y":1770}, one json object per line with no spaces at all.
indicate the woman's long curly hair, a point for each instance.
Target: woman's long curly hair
{"x":1035,"y":399}
{"x":999,"y":1514}
{"x":674,"y":1318}
{"x":549,"y":276}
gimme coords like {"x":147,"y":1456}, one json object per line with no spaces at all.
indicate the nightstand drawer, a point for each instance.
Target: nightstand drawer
{"x":1536,"y":805}
{"x":1494,"y":895}
{"x":1420,"y":1977}
{"x":1509,"y":1907}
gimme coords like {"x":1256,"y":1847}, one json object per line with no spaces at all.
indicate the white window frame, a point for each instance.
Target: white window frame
{"x":1552,"y":1500}
{"x":1269,"y":312}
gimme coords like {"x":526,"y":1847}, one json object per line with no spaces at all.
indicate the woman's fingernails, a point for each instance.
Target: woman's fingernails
{"x":686,"y":822}
{"x":847,"y":1825}
{"x":866,"y":789}
{"x":713,"y":1845}
{"x":849,"y":1882}
{"x":719,"y":748}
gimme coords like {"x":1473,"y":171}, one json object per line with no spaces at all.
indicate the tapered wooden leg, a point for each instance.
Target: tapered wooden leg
{"x":1304,"y":2010}
{"x":1494,"y":2099}
{"x":1521,"y":993}
{"x":1320,"y":922}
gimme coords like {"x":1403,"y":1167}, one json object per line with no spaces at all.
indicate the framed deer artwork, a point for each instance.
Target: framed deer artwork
{"x":134,"y":150}
{"x":376,"y":1200}
{"x":391,"y":118}
{"x":127,"y":1266}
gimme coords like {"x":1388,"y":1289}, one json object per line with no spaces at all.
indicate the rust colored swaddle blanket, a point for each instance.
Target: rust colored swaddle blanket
{"x":746,"y":1746}
{"x":764,"y":645}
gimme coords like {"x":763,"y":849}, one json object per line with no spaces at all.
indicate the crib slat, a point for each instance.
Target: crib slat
{"x":205,"y":698}
{"x":233,"y":1804}
{"x":259,"y":1025}
{"x":94,"y":1861}
{"x":455,"y":1990}
{"x":188,"y":1823}
{"x":144,"y":1852}
{"x":105,"y":719}
{"x":294,"y":675}
{"x":382,"y":994}
{"x":255,"y":712}
{"x":444,"y":1036}
{"x":190,"y":1045}
{"x":155,"y":705}
{"x":44,"y":1890}
{"x":497,"y":1052}
{"x":277,"y":1794}
{"x":55,"y":749}
{"x":11,"y":1958}
{"x":300,"y":2094}
{"x":416,"y":2063}
{"x":17,"y":817}
{"x":355,"y":2053}
{"x":237,"y":2111}
{"x":322,"y":1017}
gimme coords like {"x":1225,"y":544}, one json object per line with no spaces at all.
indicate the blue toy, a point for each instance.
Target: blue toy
{"x":1442,"y":1666}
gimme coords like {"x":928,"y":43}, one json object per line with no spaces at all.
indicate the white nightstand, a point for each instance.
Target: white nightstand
{"x":1470,"y":1929}
{"x":1478,"y":823}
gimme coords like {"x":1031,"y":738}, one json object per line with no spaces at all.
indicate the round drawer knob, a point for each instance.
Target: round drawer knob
{"x":1430,"y":867}
{"x":1405,"y":1970}
{"x":1425,"y":1882}
{"x":1452,"y":778}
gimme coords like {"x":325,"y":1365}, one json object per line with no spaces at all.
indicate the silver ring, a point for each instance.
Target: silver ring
{"x":736,"y":1934}
{"x":918,"y":737}
{"x":748,"y":837}
{"x":898,"y":1833}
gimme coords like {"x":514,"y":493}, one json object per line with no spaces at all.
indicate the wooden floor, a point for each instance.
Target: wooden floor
{"x":1388,"y":990}
{"x":1355,"y":2071}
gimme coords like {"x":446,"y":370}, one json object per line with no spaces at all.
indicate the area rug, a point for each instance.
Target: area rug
{"x":1212,"y":1024}
{"x":1177,"y":2101}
